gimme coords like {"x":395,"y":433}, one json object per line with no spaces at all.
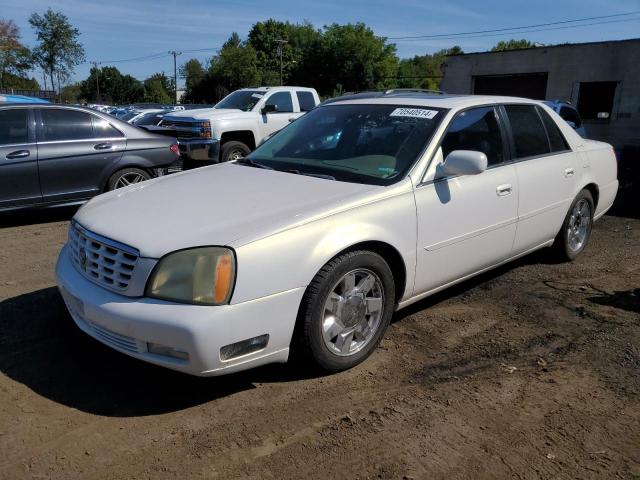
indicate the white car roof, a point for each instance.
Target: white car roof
{"x":267,"y":89}
{"x":429,"y":100}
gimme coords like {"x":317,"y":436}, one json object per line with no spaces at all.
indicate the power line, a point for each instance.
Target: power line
{"x":446,"y":35}
{"x":524,"y":31}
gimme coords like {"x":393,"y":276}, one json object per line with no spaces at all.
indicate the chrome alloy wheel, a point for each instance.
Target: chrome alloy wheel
{"x":579,"y":223}
{"x":353,"y":312}
{"x":236,"y":155}
{"x":129,"y":179}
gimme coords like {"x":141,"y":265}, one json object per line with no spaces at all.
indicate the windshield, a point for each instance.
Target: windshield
{"x":243,"y":100}
{"x":375,"y":144}
{"x":149,"y":119}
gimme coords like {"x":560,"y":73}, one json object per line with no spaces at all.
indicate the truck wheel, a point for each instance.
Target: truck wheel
{"x":126,"y":177}
{"x":233,"y":151}
{"x":576,"y":228}
{"x":346,"y":310}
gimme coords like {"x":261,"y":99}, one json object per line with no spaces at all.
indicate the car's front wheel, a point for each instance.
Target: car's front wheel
{"x":233,"y":150}
{"x":576,"y":228}
{"x":346,"y":310}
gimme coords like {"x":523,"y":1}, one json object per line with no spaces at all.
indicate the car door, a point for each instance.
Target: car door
{"x":466,"y":223}
{"x":546,"y":169}
{"x":19,"y":184}
{"x":75,"y":152}
{"x":283,"y":113}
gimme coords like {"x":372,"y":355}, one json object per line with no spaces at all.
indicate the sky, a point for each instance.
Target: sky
{"x":128,"y":29}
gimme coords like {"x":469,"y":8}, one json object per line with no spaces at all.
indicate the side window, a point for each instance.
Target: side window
{"x":529,"y":135}
{"x":306,"y":101}
{"x":571,"y":115}
{"x":476,"y":129}
{"x":556,"y":139}
{"x":103,"y":129}
{"x":282,"y":100}
{"x":61,"y":124}
{"x":14,"y":126}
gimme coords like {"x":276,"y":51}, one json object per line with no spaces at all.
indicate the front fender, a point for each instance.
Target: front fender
{"x":291,"y":258}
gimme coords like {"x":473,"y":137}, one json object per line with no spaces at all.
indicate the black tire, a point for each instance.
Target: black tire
{"x":133,"y":175}
{"x":233,"y":150}
{"x":565,"y":248}
{"x":312,"y":312}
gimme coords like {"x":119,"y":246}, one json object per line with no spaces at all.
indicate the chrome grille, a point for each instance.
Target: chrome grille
{"x":104,"y":261}
{"x":184,"y":130}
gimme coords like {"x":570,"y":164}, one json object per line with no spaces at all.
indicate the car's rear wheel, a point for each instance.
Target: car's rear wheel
{"x":576,"y":228}
{"x":234,"y":150}
{"x":126,"y":177}
{"x":346,"y":310}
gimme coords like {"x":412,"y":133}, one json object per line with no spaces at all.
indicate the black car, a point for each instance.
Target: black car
{"x":53,"y":154}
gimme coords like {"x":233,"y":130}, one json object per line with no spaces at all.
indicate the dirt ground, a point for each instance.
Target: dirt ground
{"x":530,"y":371}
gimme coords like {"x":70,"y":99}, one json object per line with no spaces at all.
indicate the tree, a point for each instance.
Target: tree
{"x":58,"y":51}
{"x":236,"y":66}
{"x":195,"y":87}
{"x":114,"y":87}
{"x":157,"y":88}
{"x":353,"y":57}
{"x":512,"y":44}
{"x":424,"y":71}
{"x":15,"y":58}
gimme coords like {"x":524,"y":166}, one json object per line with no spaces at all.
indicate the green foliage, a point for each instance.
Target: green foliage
{"x":236,"y":65}
{"x":114,"y":87}
{"x":58,"y":51}
{"x":158,"y":89}
{"x":15,"y":58}
{"x":71,"y":93}
{"x":19,"y":82}
{"x":512,"y":44}
{"x":424,"y":71}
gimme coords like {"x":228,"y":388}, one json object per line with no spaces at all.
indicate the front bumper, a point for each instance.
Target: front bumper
{"x":205,"y":151}
{"x":127,"y":324}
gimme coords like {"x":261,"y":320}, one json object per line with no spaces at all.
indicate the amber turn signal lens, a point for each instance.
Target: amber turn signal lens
{"x":224,"y":277}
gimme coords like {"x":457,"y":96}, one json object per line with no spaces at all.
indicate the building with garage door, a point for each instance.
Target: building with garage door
{"x":601,"y":79}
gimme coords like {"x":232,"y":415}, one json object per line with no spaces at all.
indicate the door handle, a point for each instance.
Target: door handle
{"x":502,"y":190}
{"x":103,"y":146}
{"x":568,"y":172}
{"x":18,"y":154}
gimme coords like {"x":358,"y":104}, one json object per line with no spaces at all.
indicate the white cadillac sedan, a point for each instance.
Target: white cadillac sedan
{"x":365,"y":205}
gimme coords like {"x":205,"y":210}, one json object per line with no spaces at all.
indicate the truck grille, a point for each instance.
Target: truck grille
{"x":184,"y":130}
{"x":101,"y":260}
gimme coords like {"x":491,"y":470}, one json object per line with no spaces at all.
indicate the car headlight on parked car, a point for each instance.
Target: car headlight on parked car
{"x":202,"y":276}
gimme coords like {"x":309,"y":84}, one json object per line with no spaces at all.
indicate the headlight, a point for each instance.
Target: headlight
{"x":202,"y":276}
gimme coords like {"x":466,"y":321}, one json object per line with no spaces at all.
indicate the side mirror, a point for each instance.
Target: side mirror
{"x":463,"y":162}
{"x":269,"y":109}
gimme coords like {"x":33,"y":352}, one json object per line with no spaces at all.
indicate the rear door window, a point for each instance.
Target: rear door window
{"x":103,"y":129}
{"x":14,"y":127}
{"x":306,"y":100}
{"x":282,"y":100}
{"x":62,"y":124}
{"x":529,"y":135}
{"x":556,"y":139}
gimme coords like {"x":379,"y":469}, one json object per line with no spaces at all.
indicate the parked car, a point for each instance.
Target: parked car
{"x":152,"y":118}
{"x":51,"y":154}
{"x":138,"y":114}
{"x":363,"y":206}
{"x":238,"y":123}
{"x":570,"y":114}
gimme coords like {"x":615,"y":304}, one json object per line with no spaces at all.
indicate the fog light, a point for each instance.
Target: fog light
{"x":165,"y":351}
{"x":244,"y":347}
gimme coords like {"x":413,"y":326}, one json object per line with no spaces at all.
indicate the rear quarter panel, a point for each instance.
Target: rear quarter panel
{"x":599,"y":166}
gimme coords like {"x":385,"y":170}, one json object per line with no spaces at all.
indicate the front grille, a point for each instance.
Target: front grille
{"x":104,"y":261}
{"x":184,"y":130}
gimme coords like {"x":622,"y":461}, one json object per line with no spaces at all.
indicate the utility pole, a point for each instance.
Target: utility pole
{"x":175,"y":75}
{"x":95,"y":65}
{"x":281,"y":43}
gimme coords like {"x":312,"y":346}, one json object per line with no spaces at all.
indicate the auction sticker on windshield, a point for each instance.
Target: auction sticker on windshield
{"x":414,"y":112}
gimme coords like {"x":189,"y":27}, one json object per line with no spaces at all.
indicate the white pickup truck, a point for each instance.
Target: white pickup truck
{"x":238,"y":123}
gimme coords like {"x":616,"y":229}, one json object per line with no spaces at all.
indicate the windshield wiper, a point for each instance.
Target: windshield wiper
{"x":317,"y":175}
{"x":251,"y":163}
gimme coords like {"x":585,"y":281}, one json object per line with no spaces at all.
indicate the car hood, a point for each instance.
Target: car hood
{"x":205,"y":113}
{"x":225,"y":204}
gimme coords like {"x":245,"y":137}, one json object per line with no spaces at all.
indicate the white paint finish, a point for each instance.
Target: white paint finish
{"x":285,"y":227}
{"x":464,"y":225}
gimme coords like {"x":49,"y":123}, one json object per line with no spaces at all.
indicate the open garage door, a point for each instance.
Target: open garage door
{"x":528,"y":85}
